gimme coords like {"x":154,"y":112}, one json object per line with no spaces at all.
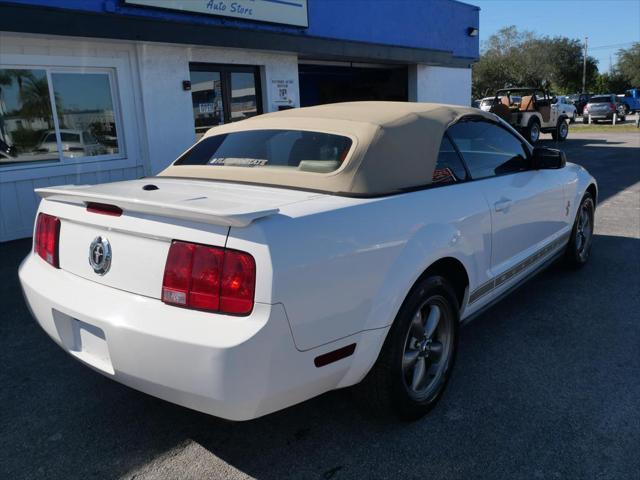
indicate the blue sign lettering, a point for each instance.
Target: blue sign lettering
{"x":216,"y":6}
{"x":242,"y":10}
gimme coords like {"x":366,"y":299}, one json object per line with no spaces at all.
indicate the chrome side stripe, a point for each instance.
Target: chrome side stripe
{"x":496,"y":282}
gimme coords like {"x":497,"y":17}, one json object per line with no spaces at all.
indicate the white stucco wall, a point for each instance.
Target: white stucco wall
{"x":440,"y":84}
{"x":167,"y":107}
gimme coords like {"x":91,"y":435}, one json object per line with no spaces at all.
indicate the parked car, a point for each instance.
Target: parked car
{"x":487,"y":102}
{"x":603,"y":107}
{"x":630,"y":100}
{"x":303,"y":251}
{"x":580,"y":100}
{"x":564,"y":107}
{"x":74,"y":143}
{"x":529,"y":110}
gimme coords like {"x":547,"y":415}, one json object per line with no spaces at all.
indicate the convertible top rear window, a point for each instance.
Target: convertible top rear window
{"x":293,"y":149}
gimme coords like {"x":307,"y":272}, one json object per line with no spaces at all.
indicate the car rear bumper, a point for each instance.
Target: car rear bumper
{"x":236,"y":368}
{"x":601,"y":115}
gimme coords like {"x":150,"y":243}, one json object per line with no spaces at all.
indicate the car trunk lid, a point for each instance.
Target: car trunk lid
{"x":140,"y":237}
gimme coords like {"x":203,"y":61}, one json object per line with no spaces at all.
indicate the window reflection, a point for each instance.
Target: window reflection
{"x":85,"y":115}
{"x":244,"y":103}
{"x":25,"y":117}
{"x":206,"y":94}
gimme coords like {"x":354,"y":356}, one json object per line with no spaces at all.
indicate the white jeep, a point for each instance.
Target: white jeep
{"x":531,"y":111}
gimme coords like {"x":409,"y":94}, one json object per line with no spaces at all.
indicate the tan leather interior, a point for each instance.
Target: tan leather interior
{"x":505,"y":101}
{"x":526,"y":103}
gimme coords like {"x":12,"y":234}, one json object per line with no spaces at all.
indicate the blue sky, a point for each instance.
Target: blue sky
{"x":609,"y":24}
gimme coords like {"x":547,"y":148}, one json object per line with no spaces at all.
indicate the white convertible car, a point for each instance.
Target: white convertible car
{"x":303,"y":251}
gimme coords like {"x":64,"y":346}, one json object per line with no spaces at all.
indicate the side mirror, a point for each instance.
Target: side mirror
{"x":548,"y":158}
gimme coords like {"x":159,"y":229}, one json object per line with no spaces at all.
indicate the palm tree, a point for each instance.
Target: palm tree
{"x":34,"y":96}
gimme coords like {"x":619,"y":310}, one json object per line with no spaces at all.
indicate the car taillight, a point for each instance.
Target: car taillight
{"x":612,"y":106}
{"x":47,"y":236}
{"x":209,"y":278}
{"x":104,"y":209}
{"x":238,"y":282}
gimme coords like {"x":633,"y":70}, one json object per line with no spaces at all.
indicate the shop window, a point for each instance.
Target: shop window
{"x":223,"y":93}
{"x":56,"y":116}
{"x":85,"y":112}
{"x":25,"y":117}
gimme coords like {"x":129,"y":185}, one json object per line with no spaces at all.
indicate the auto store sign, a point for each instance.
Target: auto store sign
{"x":287,"y":12}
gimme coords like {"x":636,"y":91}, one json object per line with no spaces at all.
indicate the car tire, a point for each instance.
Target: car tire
{"x":561,"y":131}
{"x":405,"y":380}
{"x":585,"y":120}
{"x":626,"y":109}
{"x":579,"y":246}
{"x":532,"y":132}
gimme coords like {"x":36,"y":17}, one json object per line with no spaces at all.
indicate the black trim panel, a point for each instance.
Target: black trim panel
{"x":53,"y":21}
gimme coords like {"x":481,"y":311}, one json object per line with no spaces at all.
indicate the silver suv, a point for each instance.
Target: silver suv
{"x":603,"y":107}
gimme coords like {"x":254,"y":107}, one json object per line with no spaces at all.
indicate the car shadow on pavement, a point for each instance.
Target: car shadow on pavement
{"x":543,"y":387}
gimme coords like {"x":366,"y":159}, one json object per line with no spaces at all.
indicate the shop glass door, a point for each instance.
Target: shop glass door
{"x":222,"y":94}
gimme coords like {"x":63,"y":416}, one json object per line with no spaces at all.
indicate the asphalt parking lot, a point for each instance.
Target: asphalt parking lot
{"x":547,"y":385}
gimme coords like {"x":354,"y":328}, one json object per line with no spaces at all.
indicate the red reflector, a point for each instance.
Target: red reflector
{"x":334,"y":356}
{"x":47,"y":236}
{"x":104,"y":209}
{"x":209,"y":278}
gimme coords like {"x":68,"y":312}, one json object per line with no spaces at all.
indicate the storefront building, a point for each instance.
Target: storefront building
{"x":103,"y":90}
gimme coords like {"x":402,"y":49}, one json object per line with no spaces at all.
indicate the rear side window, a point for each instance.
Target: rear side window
{"x":69,"y":137}
{"x":488,"y":149}
{"x":449,"y":167}
{"x":293,"y":149}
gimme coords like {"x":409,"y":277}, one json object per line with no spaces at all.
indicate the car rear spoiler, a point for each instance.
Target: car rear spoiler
{"x":199,"y":209}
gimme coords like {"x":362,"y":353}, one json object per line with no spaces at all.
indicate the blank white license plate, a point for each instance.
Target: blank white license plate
{"x":84,"y":341}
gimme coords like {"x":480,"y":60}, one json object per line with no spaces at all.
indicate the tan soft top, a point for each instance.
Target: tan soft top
{"x":395,"y":146}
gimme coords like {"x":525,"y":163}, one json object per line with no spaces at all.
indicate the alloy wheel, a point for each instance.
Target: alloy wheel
{"x":427,"y":348}
{"x":584,"y":231}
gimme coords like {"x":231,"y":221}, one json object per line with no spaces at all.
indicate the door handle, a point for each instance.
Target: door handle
{"x":502,"y":205}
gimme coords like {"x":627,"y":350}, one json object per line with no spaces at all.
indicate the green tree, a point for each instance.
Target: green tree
{"x":520,"y":58}
{"x":614,"y":82}
{"x":629,"y":64}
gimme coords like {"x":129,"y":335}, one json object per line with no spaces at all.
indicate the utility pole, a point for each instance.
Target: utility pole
{"x":584,"y":66}
{"x":610,"y":64}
